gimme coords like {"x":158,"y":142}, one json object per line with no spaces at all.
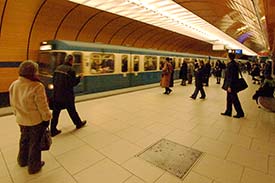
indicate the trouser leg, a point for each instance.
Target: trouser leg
{"x":34,"y":161}
{"x":23,"y":153}
{"x":194,"y":95}
{"x":73,"y":114}
{"x":54,"y":120}
{"x":202,"y":92}
{"x":237,"y":104}
{"x":229,"y":103}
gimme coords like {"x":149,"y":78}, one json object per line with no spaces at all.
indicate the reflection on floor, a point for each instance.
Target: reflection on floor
{"x":122,"y":126}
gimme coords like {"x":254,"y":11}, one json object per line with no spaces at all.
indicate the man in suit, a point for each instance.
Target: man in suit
{"x":230,"y":80}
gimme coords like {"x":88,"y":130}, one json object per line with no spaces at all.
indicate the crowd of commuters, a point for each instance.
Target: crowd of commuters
{"x":261,"y":73}
{"x":30,"y":105}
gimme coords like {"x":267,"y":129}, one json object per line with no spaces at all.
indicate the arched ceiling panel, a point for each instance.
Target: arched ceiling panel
{"x":16,"y":21}
{"x":108,"y":32}
{"x":135,"y":32}
{"x":122,"y":33}
{"x":92,"y":30}
{"x":155,"y":38}
{"x":46,"y":24}
{"x":164,"y":36}
{"x":149,"y":37}
{"x":73,"y":22}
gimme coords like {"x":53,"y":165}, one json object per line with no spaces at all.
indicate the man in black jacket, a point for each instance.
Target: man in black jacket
{"x":230,"y":80}
{"x":64,"y":80}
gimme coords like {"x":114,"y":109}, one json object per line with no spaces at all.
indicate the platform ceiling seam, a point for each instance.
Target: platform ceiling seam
{"x":31,"y":29}
{"x":101,"y":29}
{"x":63,"y":19}
{"x":2,"y":16}
{"x":116,"y":32}
{"x":83,"y":26}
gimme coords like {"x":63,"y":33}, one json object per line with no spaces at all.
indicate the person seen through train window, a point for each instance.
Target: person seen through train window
{"x":64,"y":80}
{"x":230,"y":80}
{"x":166,"y":76}
{"x":29,"y":103}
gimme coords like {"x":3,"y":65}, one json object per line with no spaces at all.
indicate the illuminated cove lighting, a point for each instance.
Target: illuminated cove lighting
{"x":168,"y":15}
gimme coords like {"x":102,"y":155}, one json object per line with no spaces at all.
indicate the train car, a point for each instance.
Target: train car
{"x":108,"y":67}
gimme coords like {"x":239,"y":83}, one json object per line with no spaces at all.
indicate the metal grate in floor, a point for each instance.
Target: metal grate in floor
{"x":172,"y":157}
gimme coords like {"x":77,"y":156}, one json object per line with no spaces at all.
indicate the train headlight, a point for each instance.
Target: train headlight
{"x":50,"y":86}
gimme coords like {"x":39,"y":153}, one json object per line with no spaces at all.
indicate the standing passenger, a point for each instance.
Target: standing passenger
{"x":29,"y":103}
{"x":199,"y":74}
{"x":64,"y":80}
{"x":183,"y":73}
{"x":231,"y":77}
{"x":166,"y":76}
{"x":218,"y":71}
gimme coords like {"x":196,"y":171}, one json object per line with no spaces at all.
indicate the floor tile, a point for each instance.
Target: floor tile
{"x":211,"y":146}
{"x":104,"y":172}
{"x":219,"y":169}
{"x":79,"y":159}
{"x":252,"y":176}
{"x":143,"y":169}
{"x":248,"y":158}
{"x":120,"y":151}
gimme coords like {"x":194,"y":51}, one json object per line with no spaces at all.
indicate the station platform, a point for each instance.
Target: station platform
{"x":121,"y":127}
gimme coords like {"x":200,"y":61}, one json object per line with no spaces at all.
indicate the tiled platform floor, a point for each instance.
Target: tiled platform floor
{"x":121,"y":126}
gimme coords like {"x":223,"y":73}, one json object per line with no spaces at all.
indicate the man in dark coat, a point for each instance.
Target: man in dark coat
{"x":183,"y":73}
{"x":230,"y":80}
{"x":199,"y":73}
{"x":64,"y":80}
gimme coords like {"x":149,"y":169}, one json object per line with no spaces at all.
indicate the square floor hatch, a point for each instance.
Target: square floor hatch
{"x":172,"y":157}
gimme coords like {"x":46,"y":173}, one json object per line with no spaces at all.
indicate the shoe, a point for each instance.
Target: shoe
{"x":36,"y":171}
{"x":202,"y":97}
{"x":23,"y":165}
{"x":83,"y":123}
{"x":225,"y":114}
{"x":194,"y":98}
{"x":55,"y":132}
{"x":169,"y":91}
{"x":239,"y":116}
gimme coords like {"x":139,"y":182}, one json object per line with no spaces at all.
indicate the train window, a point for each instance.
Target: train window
{"x":173,"y":62}
{"x":136,"y":63}
{"x":150,"y":63}
{"x":102,"y":63}
{"x":48,"y":61}
{"x":124,"y":63}
{"x":77,"y":63}
{"x":161,"y":62}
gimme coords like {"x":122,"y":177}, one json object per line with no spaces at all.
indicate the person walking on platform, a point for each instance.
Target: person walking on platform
{"x":199,"y":74}
{"x":167,"y":71}
{"x":29,"y":104}
{"x":183,"y":73}
{"x":231,"y":77}
{"x":64,"y":80}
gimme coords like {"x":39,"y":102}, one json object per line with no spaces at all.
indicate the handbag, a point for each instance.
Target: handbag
{"x":46,"y":140}
{"x":240,"y":84}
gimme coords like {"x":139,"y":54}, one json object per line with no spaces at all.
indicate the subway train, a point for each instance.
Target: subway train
{"x":108,"y":67}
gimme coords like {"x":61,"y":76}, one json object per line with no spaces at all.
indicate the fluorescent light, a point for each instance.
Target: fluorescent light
{"x":174,"y":18}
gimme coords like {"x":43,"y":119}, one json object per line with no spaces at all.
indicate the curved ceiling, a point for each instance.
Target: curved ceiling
{"x":24,"y":24}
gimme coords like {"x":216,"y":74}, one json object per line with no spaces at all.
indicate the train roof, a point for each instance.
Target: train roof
{"x":99,"y":47}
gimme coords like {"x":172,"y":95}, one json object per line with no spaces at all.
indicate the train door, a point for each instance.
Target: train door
{"x":134,"y":76}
